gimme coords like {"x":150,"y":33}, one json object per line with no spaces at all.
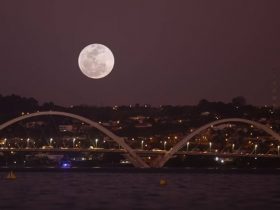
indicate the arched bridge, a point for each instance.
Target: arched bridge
{"x":159,"y":162}
{"x":133,"y":157}
{"x":131,"y":154}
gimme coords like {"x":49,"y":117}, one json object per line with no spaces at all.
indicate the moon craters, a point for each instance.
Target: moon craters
{"x":96,"y":61}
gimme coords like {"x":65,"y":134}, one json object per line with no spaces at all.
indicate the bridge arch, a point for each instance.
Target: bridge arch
{"x":160,"y":162}
{"x":134,"y":158}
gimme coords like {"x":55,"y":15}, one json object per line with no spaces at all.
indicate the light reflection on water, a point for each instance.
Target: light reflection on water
{"x":82,"y":190}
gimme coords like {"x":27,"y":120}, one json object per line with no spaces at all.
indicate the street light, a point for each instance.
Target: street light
{"x":96,"y":141}
{"x":164,"y":145}
{"x":51,"y":140}
{"x":210,"y":145}
{"x":188,"y":143}
{"x":5,"y":141}
{"x":142,"y":142}
{"x":256,"y":146}
{"x":74,"y":139}
{"x":278,"y":148}
{"x":27,"y":145}
{"x":233,"y":147}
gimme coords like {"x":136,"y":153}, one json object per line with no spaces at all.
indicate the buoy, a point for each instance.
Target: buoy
{"x":162,"y":182}
{"x":11,"y":176}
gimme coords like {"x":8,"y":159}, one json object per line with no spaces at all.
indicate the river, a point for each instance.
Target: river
{"x":114,"y":190}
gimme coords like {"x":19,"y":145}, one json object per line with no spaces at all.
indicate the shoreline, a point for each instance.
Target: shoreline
{"x":151,"y":170}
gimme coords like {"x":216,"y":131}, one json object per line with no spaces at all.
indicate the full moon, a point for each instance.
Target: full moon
{"x":96,"y":61}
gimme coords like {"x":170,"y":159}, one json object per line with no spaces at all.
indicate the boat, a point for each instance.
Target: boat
{"x":11,"y":176}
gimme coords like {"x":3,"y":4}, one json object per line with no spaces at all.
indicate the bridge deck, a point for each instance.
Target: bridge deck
{"x":140,"y":152}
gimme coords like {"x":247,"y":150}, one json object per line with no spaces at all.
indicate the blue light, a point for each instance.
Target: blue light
{"x":66,"y":164}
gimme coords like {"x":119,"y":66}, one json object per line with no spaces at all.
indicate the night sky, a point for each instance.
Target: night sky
{"x":166,"y":52}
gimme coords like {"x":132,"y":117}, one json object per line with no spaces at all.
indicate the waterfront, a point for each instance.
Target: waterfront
{"x":124,"y":190}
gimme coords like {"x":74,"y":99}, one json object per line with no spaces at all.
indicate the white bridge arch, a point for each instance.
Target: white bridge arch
{"x":161,"y":161}
{"x":133,"y":157}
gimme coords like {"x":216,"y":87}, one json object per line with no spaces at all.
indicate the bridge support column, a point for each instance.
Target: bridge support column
{"x":135,"y":163}
{"x":156,"y":162}
{"x":132,"y":156}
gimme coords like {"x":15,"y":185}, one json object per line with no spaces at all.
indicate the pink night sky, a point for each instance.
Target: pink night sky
{"x":166,"y":52}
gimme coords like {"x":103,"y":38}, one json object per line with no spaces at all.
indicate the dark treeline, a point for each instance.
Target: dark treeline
{"x":13,"y":105}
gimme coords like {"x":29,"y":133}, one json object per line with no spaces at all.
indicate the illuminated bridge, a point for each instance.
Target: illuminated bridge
{"x":156,"y":158}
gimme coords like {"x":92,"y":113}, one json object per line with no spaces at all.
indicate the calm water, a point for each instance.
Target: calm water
{"x":88,"y":190}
